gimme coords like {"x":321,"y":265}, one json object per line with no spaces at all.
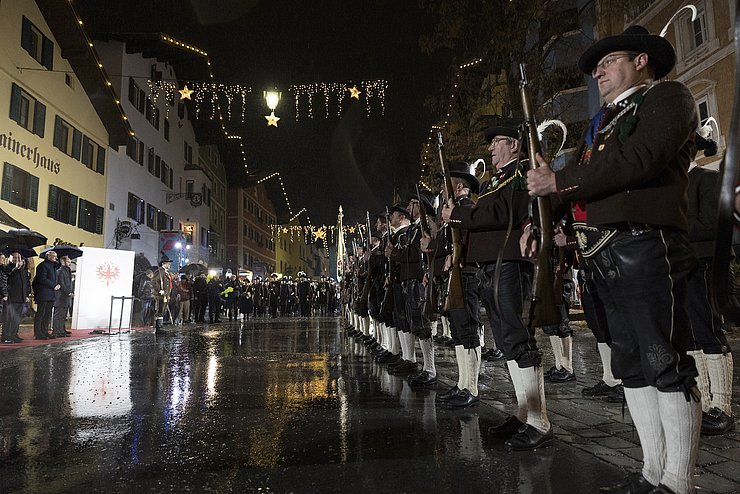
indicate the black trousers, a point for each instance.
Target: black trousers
{"x":42,"y":319}
{"x":511,"y":335}
{"x":58,"y":319}
{"x":707,"y":333}
{"x":593,"y":308}
{"x":414,"y":296}
{"x":464,"y":323}
{"x":563,"y":330}
{"x":400,"y":318}
{"x":12,"y":321}
{"x":642,"y":282}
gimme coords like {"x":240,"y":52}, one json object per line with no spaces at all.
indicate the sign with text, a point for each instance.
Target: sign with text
{"x":102,"y":274}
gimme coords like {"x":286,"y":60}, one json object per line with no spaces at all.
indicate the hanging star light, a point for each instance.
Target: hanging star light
{"x":272,"y":119}
{"x":185,"y":93}
{"x":354,"y":92}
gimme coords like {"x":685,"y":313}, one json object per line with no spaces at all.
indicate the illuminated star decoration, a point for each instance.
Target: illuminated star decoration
{"x":185,"y":92}
{"x":354,"y":92}
{"x":272,"y":119}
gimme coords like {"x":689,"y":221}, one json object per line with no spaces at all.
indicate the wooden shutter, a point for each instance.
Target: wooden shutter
{"x":100,"y":165}
{"x":51,"y":210}
{"x":99,"y":212}
{"x":72,"y":212}
{"x":15,"y":103}
{"x":39,"y":118}
{"x":58,"y":138}
{"x":86,"y":158}
{"x":7,"y":182}
{"x":76,"y":144}
{"x":26,"y":35}
{"x":33,"y":192}
{"x":47,"y":54}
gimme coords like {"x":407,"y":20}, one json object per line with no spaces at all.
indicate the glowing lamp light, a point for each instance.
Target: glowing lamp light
{"x":178,"y":245}
{"x":272,"y":98}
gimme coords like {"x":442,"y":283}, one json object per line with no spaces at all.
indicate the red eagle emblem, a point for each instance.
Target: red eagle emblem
{"x":108,"y":273}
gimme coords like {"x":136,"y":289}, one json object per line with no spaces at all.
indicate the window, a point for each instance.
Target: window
{"x":27,"y":111}
{"x":167,"y":129}
{"x":172,"y":179}
{"x":135,"y":209}
{"x":188,"y":154}
{"x":151,"y":216}
{"x":699,"y":30}
{"x":165,"y":173}
{"x":189,"y":188}
{"x":63,"y":132}
{"x":36,"y":44}
{"x":68,"y":80}
{"x":164,"y":221}
{"x":157,"y":166}
{"x":20,"y":187}
{"x":150,"y":161}
{"x":62,"y":205}
{"x":181,"y":110}
{"x":90,"y":217}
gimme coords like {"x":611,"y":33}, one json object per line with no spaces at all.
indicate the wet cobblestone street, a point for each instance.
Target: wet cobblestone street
{"x":291,"y":405}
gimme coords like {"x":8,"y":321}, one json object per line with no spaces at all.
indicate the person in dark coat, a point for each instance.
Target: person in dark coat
{"x":45,"y":287}
{"x":246,"y":301}
{"x":63,"y":297}
{"x":146,"y":294}
{"x":214,"y":300}
{"x":17,"y":294}
{"x":200,"y":298}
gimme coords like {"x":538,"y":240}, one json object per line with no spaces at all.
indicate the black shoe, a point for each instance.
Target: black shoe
{"x":528,"y":438}
{"x":403,"y":369}
{"x":635,"y":484}
{"x":550,"y":372}
{"x":415,"y":374}
{"x":9,"y":341}
{"x":598,"y":389}
{"x":494,"y":355}
{"x":388,"y":358}
{"x":423,"y":379}
{"x":398,"y":362}
{"x":17,"y":339}
{"x":463,"y":399}
{"x":68,"y":333}
{"x":507,"y":429}
{"x":562,"y":376}
{"x":661,"y":489}
{"x":45,"y":337}
{"x":616,"y":396}
{"x":448,"y":395}
{"x":715,"y":422}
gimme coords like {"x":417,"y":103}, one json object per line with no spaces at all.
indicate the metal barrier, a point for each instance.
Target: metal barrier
{"x":120,"y":319}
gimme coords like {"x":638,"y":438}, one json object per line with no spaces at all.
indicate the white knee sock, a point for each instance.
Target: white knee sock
{"x":481,"y":335}
{"x":366,"y":326}
{"x":533,"y":381}
{"x":435,"y":325}
{"x":521,"y":398}
{"x":567,"y":356}
{"x":643,"y":406}
{"x":410,"y":342}
{"x":606,"y":365}
{"x":702,"y":380}
{"x":462,"y":366}
{"x":405,"y":353}
{"x":557,"y":351}
{"x":395,"y":341}
{"x":445,"y":326}
{"x":681,"y":421}
{"x":427,"y":351}
{"x":473,"y":364}
{"x":719,"y":367}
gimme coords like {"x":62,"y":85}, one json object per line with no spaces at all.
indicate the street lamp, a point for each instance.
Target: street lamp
{"x":272,"y":98}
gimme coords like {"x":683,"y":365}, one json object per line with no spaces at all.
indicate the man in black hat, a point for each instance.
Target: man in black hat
{"x":502,"y":208}
{"x":162,"y":285}
{"x":629,"y":190}
{"x":465,"y":322}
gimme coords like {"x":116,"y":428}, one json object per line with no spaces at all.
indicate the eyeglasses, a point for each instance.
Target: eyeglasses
{"x":495,"y":140}
{"x":607,"y":62}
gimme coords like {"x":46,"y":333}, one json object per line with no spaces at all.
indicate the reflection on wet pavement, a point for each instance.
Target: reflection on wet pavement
{"x":278,"y":406}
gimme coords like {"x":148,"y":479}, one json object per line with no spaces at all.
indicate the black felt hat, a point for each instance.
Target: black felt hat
{"x":661,"y":55}
{"x":509,"y":127}
{"x":400,"y":208}
{"x":465,"y":171}
{"x":428,"y":199}
{"x":163,"y":259}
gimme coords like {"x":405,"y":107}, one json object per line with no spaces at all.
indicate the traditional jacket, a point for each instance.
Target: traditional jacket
{"x":702,"y":216}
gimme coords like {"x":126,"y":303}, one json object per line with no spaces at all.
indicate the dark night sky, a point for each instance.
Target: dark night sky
{"x":356,"y":160}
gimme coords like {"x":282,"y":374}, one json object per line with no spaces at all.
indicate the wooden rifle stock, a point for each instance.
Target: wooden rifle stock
{"x":543,"y":309}
{"x":455,"y":296}
{"x":427,"y":265}
{"x":386,"y":307}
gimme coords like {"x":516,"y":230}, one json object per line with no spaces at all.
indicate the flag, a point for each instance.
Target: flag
{"x":341,"y":250}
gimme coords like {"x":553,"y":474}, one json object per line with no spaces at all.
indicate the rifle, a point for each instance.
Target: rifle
{"x":386,"y":307}
{"x":455,"y":296}
{"x":427,"y":265}
{"x":543,"y":303}
{"x":369,"y":231}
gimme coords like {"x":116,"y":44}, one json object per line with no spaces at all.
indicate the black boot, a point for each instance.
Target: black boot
{"x":634,"y":484}
{"x":716,"y":422}
{"x":463,"y":399}
{"x":448,"y":395}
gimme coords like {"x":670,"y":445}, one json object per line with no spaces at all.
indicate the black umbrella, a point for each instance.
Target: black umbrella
{"x":22,"y":238}
{"x":194,"y":268}
{"x":24,"y":251}
{"x":63,"y":250}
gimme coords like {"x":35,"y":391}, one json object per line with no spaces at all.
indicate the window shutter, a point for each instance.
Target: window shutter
{"x":81,"y":214}
{"x":99,"y":212}
{"x":76,"y":144}
{"x":58,"y":132}
{"x":26,"y":35}
{"x":15,"y":103}
{"x":47,"y":54}
{"x":39,"y":119}
{"x":51,"y":210}
{"x":33,"y":192}
{"x":100,"y":166}
{"x":7,"y":182}
{"x":72,"y":213}
{"x":86,"y":158}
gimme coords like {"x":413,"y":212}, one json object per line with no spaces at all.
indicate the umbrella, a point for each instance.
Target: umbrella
{"x":22,"y":238}
{"x":24,"y":251}
{"x":63,"y":250}
{"x":194,"y":269}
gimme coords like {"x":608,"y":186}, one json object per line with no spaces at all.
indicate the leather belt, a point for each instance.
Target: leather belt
{"x":633,"y":228}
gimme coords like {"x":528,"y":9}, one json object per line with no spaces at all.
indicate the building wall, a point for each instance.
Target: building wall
{"x":63,"y":96}
{"x":249,"y":242}
{"x":293,"y":255}
{"x":128,"y":176}
{"x":210,"y":161}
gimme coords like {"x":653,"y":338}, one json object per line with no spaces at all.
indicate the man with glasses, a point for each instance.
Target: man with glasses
{"x":628,"y":192}
{"x":502,"y":208}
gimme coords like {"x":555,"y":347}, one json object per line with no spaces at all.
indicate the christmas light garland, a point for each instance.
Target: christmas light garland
{"x":337,"y":92}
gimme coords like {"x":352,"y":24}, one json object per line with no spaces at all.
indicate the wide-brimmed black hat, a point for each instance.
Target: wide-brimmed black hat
{"x":509,"y":127}
{"x":661,"y":55}
{"x":465,"y":171}
{"x":401,"y":209}
{"x":163,"y":259}
{"x":378,"y":235}
{"x":428,"y":199}
{"x":708,"y":145}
